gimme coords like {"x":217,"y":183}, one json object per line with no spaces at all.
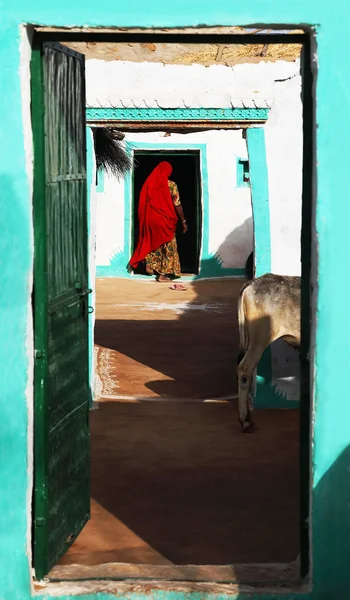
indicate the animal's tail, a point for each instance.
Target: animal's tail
{"x":243,"y":333}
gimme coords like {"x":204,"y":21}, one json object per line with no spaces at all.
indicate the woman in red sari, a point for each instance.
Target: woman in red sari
{"x":159,"y":211}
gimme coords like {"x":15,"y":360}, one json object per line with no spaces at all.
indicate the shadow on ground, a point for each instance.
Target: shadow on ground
{"x":182,"y":485}
{"x":194,"y":351}
{"x":179,"y":483}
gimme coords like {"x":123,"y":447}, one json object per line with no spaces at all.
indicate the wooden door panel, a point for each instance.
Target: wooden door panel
{"x":61,"y":481}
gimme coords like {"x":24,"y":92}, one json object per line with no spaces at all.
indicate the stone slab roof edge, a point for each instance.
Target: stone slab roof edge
{"x":202,"y":101}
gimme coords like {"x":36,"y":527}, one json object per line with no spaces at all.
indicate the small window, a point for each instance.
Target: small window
{"x":243,"y":175}
{"x":100,"y":180}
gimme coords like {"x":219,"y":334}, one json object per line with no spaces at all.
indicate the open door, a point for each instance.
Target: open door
{"x":61,"y":430}
{"x":186,"y":174}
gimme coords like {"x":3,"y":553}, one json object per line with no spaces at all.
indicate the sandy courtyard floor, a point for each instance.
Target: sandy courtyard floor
{"x":153,"y":341}
{"x":175,"y":483}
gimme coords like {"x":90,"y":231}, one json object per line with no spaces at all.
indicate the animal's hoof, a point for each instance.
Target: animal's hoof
{"x":251,"y":428}
{"x":248,"y":426}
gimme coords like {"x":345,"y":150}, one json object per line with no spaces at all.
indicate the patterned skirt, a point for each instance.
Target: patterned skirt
{"x":165,"y":260}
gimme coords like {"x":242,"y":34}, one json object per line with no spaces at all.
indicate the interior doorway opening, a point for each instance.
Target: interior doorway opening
{"x":200,"y":299}
{"x":186,"y":175}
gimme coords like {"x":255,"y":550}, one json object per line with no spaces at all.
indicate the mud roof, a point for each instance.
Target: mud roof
{"x":187,"y":54}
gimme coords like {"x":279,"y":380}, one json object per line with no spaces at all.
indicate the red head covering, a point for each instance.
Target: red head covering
{"x":157,"y":216}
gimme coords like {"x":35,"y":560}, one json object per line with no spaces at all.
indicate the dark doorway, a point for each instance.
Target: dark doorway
{"x":186,"y":174}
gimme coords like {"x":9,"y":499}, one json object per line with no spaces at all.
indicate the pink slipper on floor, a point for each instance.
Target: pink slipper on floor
{"x":177,"y":286}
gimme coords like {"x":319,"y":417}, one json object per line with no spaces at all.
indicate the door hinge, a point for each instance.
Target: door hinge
{"x":39,"y":522}
{"x":39,"y":354}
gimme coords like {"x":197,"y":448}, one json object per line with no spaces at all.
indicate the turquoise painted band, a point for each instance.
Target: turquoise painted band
{"x":177,"y":114}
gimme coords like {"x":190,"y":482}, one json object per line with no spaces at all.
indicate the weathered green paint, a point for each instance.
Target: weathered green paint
{"x":40,"y":306}
{"x":330,"y":347}
{"x":61,"y":434}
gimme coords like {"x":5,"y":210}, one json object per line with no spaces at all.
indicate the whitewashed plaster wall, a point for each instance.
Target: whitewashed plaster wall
{"x":277,"y":85}
{"x":230,"y":211}
{"x":284,"y":148}
{"x":110,"y":215}
{"x":127,"y":84}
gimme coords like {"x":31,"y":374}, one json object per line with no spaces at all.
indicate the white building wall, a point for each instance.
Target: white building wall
{"x":284,"y":148}
{"x":110,"y":217}
{"x":126,"y":84}
{"x":140,"y":85}
{"x":230,"y":212}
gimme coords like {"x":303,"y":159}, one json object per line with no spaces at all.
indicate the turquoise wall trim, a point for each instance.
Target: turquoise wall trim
{"x":260,"y":199}
{"x":209,"y":269}
{"x":267,"y":395}
{"x":100,"y":187}
{"x":330,"y":485}
{"x":177,"y":114}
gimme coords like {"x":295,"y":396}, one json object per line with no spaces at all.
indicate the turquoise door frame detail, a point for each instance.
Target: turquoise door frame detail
{"x":260,"y":199}
{"x":209,"y":263}
{"x":119,"y":262}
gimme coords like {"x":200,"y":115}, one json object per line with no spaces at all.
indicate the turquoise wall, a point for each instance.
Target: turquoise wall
{"x":330,"y":519}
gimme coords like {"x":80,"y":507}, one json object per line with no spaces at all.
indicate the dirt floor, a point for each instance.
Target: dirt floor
{"x":180,"y":483}
{"x":153,"y":341}
{"x":177,"y":482}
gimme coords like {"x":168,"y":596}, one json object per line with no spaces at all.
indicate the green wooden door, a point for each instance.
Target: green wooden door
{"x":61,"y":439}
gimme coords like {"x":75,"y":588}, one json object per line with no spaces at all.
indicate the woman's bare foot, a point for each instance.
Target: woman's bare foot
{"x":163,"y":278}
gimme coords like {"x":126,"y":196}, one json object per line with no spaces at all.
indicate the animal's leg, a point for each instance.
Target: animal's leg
{"x":244,"y":414}
{"x":252,"y":391}
{"x":245,"y":375}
